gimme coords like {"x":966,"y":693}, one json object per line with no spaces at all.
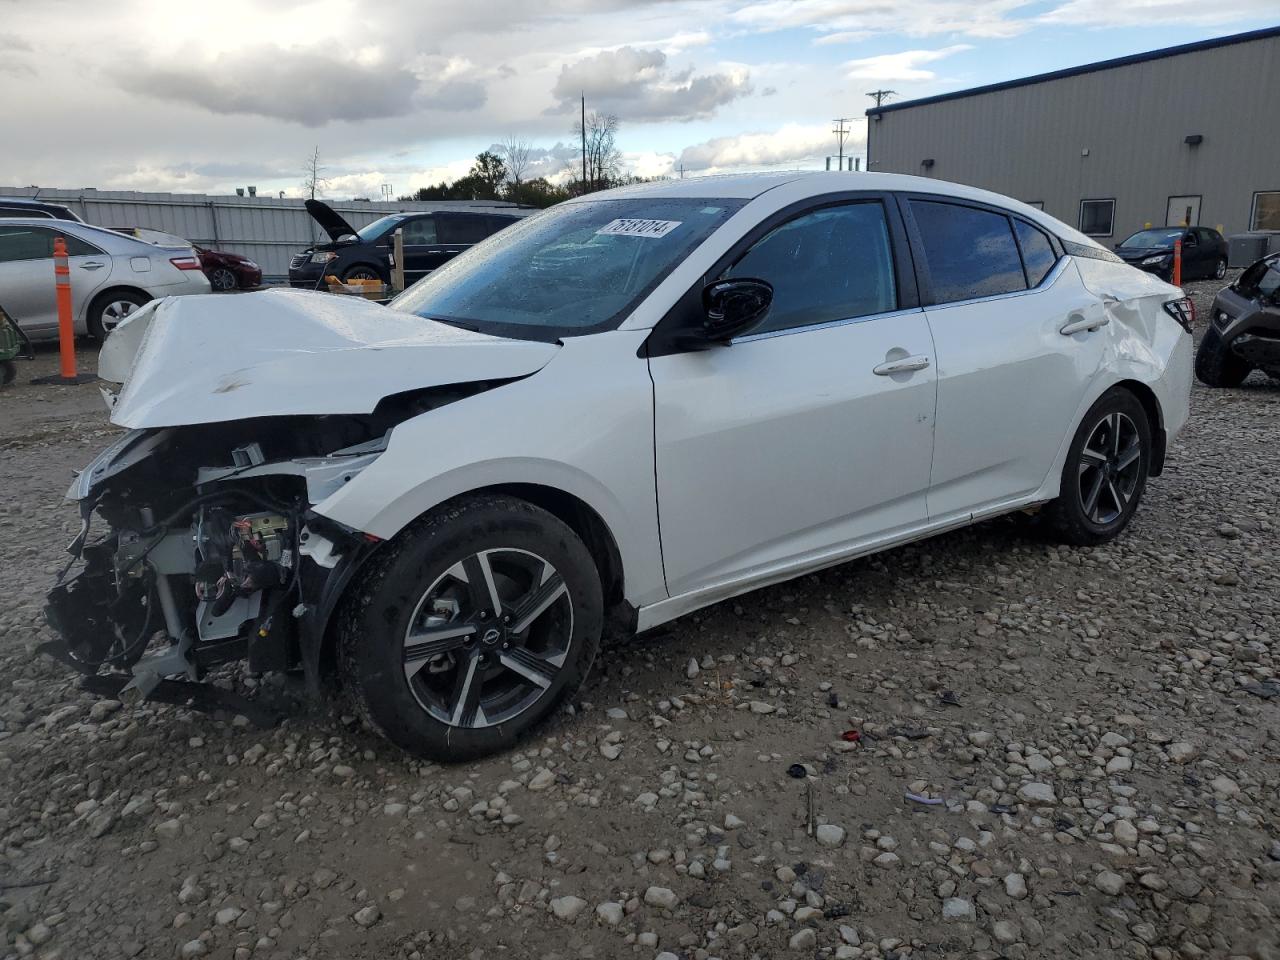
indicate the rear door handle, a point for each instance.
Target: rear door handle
{"x":1083,"y":324}
{"x":92,"y":265}
{"x":905,"y":365}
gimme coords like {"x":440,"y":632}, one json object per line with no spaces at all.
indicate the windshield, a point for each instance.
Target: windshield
{"x":1154,"y":238}
{"x":372,"y":231}
{"x":1261,"y":281}
{"x":576,"y":268}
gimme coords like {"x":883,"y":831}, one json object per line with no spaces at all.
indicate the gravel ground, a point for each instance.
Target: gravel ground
{"x":1063,"y":753}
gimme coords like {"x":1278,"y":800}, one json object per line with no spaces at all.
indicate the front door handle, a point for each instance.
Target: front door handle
{"x":1082,"y":324}
{"x":92,"y":265}
{"x":904,"y":365}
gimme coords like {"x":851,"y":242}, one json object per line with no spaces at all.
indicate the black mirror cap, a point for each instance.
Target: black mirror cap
{"x":734,"y":307}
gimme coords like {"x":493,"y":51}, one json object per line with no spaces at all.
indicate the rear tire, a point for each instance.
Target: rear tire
{"x":8,"y":372}
{"x":1105,"y":472}
{"x":223,"y":279}
{"x":1216,"y":365}
{"x":1220,"y":269}
{"x":429,"y":664}
{"x":108,"y":309}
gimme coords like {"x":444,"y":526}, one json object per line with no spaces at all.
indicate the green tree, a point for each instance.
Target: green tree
{"x":488,"y":174}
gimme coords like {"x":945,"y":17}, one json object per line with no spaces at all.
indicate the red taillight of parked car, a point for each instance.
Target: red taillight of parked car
{"x":186,"y":263}
{"x":1184,"y":311}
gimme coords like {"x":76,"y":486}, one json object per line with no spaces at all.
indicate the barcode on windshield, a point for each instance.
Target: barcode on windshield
{"x":639,"y":228}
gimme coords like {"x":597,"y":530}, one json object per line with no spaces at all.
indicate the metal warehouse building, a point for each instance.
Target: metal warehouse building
{"x":1188,"y":134}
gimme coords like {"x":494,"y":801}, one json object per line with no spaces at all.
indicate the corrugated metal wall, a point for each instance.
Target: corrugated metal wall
{"x":1116,"y":133}
{"x":265,"y":229}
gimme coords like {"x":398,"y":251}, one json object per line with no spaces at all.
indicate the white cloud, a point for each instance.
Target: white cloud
{"x":904,"y":66}
{"x":845,"y":36}
{"x":1108,"y":13}
{"x":307,"y":86}
{"x":991,"y":18}
{"x":640,"y":85}
{"x":789,"y":145}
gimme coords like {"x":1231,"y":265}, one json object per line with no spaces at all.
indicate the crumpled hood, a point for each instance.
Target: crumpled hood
{"x":222,"y":357}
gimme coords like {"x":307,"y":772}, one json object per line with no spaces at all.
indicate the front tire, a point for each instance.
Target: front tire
{"x":109,"y":309}
{"x":362,"y":271}
{"x":469,"y":629}
{"x":1105,"y":472}
{"x":1216,"y":365}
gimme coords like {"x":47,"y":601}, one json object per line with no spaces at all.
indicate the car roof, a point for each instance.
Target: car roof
{"x":103,"y":237}
{"x":815,"y":183}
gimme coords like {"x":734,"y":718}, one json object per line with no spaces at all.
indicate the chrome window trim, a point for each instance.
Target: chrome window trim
{"x":770,"y":334}
{"x":1049,"y":280}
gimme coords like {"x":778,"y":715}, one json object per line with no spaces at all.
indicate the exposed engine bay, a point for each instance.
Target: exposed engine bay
{"x":212,"y":551}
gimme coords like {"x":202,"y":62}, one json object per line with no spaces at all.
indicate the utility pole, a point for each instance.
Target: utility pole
{"x":584,"y":143}
{"x":880,"y":96}
{"x":841,"y":130}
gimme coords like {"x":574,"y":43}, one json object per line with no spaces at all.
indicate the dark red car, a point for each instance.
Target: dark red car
{"x":229,"y":271}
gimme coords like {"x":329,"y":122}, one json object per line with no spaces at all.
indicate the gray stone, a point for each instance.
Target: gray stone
{"x":661,"y":897}
{"x":568,"y":908}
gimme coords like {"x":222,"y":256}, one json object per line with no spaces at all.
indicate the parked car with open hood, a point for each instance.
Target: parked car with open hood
{"x":642,"y":401}
{"x":111,"y":274}
{"x":1244,"y":328}
{"x":1204,"y":252}
{"x":430,"y":241}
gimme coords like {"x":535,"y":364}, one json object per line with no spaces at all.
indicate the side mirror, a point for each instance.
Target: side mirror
{"x":733,"y":307}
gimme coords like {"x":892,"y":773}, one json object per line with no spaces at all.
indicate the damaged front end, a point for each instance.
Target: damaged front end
{"x":245,"y":414}
{"x":212,"y":551}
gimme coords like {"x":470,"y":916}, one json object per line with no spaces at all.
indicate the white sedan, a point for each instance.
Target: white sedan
{"x":643,"y":401}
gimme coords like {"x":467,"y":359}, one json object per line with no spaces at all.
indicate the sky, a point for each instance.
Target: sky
{"x":135,"y":94}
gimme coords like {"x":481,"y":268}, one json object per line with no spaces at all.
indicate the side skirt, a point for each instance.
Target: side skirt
{"x":656,"y":614}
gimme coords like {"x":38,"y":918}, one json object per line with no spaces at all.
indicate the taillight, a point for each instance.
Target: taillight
{"x":186,"y":263}
{"x":1184,"y":311}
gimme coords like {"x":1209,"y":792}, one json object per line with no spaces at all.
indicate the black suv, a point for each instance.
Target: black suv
{"x":430,"y":239}
{"x":27,"y":207}
{"x":1204,"y":252}
{"x":1244,"y":328}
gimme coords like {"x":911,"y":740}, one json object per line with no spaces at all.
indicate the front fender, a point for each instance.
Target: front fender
{"x":532,"y":431}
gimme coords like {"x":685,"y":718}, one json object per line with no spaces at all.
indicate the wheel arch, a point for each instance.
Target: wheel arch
{"x":108,"y":290}
{"x":583,"y":519}
{"x":1155,"y":419}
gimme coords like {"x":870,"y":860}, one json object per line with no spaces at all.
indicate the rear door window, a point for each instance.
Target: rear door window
{"x":1037,"y":252}
{"x":461,"y":228}
{"x":970,"y":253}
{"x":494,"y":224}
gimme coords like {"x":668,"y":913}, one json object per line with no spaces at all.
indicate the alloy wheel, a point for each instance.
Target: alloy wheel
{"x":114,"y":313}
{"x":488,"y":638}
{"x":1220,"y":270}
{"x":222,"y":279}
{"x":1110,"y":468}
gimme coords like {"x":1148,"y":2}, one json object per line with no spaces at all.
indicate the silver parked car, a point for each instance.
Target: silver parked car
{"x":111,"y":274}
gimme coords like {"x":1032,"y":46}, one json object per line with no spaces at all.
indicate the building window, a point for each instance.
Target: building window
{"x":1097,"y":217}
{"x":1266,"y":211}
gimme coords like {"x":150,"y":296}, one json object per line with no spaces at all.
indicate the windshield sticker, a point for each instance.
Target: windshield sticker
{"x":653,"y":229}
